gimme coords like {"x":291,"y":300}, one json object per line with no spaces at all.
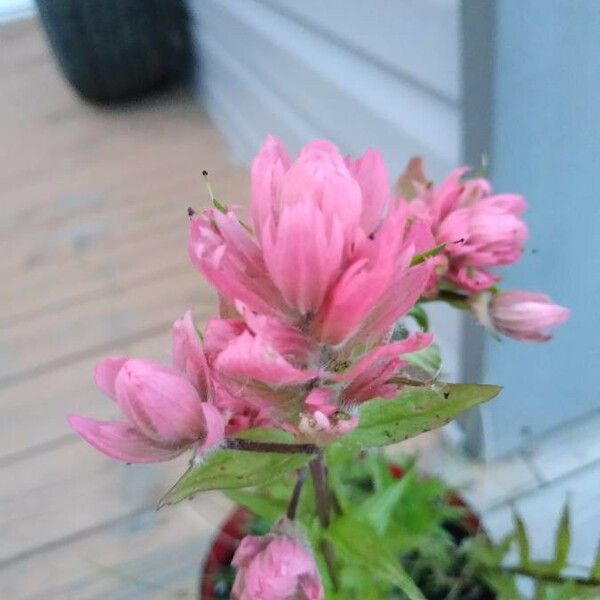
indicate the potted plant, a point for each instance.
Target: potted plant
{"x":319,"y":356}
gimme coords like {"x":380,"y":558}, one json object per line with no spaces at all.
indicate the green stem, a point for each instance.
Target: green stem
{"x":295,"y":499}
{"x":322,"y":498}
{"x":253,"y":446}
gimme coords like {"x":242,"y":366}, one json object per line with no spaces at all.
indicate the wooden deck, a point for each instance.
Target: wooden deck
{"x":93,"y":230}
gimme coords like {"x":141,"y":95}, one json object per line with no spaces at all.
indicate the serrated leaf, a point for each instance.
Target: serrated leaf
{"x":230,"y":469}
{"x":416,"y":410}
{"x":522,"y":541}
{"x":562,"y":540}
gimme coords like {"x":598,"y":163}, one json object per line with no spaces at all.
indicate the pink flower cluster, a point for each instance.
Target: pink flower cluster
{"x":309,"y":295}
{"x":480,"y":230}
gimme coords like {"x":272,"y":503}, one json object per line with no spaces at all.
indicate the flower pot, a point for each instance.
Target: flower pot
{"x":117,"y":49}
{"x":216,"y":573}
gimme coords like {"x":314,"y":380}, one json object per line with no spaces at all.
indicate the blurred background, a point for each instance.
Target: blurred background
{"x":109,"y":112}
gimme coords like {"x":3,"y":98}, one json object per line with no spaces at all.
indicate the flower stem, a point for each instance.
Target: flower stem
{"x":295,"y":499}
{"x":322,"y":498}
{"x":253,"y":446}
{"x":317,"y":470}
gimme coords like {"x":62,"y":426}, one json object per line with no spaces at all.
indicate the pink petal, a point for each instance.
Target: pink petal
{"x":319,"y":176}
{"x":121,"y":441}
{"x":188,"y":355}
{"x":106,"y":372}
{"x":303,"y":255}
{"x":268,"y":169}
{"x":214,"y":427}
{"x":400,"y":296}
{"x":350,"y":301}
{"x":250,"y":356}
{"x":287,"y":340}
{"x":414,"y":343}
{"x":219,"y":333}
{"x":231,"y":263}
{"x":160,"y":402}
{"x":370,"y":172}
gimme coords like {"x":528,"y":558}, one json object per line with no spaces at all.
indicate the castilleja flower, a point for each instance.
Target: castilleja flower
{"x":480,"y":229}
{"x":317,"y":284}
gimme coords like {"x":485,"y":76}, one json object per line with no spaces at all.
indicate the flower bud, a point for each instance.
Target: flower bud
{"x":164,"y":414}
{"x":276,"y":566}
{"x":527,"y":316}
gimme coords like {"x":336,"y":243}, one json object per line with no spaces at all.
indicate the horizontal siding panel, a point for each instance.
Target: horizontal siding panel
{"x":344,"y":97}
{"x":418,"y":39}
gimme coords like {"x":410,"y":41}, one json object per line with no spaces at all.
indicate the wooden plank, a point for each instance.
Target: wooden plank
{"x":151,"y":555}
{"x":69,"y":489}
{"x":50,"y":340}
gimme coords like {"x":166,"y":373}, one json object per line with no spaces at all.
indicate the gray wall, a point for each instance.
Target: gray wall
{"x":546,"y":144}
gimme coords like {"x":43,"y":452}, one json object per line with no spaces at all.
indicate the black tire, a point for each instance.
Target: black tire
{"x":111,"y":50}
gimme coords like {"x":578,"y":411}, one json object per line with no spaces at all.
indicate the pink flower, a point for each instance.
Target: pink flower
{"x":164,"y":414}
{"x":331,"y":254}
{"x":481,"y":230}
{"x":277,"y":566}
{"x":521,"y":315}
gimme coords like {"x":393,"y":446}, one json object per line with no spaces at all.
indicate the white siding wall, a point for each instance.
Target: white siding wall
{"x":383,"y":73}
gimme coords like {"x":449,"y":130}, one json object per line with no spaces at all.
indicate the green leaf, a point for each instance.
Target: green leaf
{"x":562,"y":540}
{"x":504,"y":584}
{"x":416,"y":410}
{"x":417,"y":259}
{"x":419,"y":314}
{"x":379,"y":508}
{"x":368,"y":551}
{"x":522,"y":541}
{"x":229,"y":469}
{"x":595,"y":570}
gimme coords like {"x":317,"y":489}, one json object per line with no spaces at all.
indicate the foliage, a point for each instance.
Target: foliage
{"x":404,"y":539}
